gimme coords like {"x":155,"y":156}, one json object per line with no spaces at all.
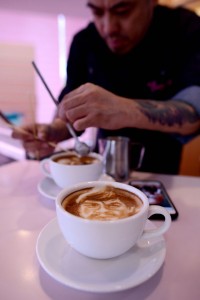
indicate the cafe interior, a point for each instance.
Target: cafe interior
{"x":21,"y":44}
{"x":30,"y":30}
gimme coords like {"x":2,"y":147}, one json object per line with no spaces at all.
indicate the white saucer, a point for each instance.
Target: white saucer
{"x":48,"y":188}
{"x":72,"y":269}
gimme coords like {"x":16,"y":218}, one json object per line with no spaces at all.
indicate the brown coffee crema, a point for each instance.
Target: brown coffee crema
{"x":72,"y":159}
{"x":102,"y":203}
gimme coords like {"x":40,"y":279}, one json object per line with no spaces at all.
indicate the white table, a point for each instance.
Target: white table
{"x":24,"y":212}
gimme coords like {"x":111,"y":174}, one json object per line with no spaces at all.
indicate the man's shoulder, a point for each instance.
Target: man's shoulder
{"x":178,"y":16}
{"x":176,"y":25}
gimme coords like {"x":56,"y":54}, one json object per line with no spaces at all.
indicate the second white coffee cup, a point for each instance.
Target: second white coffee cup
{"x":66,"y":175}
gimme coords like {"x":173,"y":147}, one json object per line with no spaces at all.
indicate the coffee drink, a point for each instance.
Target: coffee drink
{"x":103,"y":220}
{"x":68,"y":168}
{"x":102,"y":203}
{"x":72,"y":159}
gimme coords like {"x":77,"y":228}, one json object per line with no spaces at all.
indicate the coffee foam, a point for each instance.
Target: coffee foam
{"x":103,"y":203}
{"x":76,"y":160}
{"x":66,"y":161}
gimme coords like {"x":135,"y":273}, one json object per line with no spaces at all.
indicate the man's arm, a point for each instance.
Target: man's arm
{"x":170,"y":116}
{"x":92,"y":106}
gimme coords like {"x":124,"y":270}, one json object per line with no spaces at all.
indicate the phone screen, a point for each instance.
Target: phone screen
{"x":157,"y":194}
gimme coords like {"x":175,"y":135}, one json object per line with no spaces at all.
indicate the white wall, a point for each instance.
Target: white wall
{"x":72,"y":8}
{"x":35,"y":22}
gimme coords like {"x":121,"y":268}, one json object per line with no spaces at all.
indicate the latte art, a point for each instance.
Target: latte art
{"x":102,"y":203}
{"x":75,"y":160}
{"x":107,"y":210}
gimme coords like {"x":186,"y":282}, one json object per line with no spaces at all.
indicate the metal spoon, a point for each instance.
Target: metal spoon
{"x":80,"y":147}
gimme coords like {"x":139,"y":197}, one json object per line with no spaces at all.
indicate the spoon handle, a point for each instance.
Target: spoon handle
{"x":44,"y":82}
{"x":69,"y":126}
{"x":71,"y":130}
{"x":78,"y":145}
{"x":5,"y":118}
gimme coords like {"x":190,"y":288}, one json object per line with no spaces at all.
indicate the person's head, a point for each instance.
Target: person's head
{"x":122,"y":23}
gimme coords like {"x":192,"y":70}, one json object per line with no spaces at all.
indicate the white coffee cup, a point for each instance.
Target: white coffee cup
{"x":106,"y":239}
{"x":66,"y":175}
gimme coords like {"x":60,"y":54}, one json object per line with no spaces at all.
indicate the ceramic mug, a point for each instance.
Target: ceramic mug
{"x":65,"y":174}
{"x":104,"y":238}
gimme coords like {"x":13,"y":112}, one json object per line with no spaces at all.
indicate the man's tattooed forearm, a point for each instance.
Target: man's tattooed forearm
{"x":168,"y":113}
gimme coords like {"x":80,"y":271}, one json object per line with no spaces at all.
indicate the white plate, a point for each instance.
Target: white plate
{"x":48,"y":188}
{"x":72,"y":269}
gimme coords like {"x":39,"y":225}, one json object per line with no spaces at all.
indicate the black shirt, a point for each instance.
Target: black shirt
{"x":165,"y":62}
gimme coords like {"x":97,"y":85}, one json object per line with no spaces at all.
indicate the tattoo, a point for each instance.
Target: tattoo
{"x":169,"y":112}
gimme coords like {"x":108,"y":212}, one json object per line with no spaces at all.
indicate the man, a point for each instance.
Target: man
{"x":134,"y":72}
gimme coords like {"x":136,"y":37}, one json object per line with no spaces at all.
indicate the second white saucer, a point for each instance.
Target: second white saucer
{"x":48,"y":188}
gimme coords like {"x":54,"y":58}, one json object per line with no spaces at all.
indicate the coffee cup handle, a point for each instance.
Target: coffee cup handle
{"x":44,"y":167}
{"x":150,"y":233}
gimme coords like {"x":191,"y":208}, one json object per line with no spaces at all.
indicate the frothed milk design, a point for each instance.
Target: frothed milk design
{"x":75,"y":160}
{"x":102,"y":203}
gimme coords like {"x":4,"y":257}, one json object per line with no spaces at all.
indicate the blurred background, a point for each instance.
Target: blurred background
{"x":42,"y":31}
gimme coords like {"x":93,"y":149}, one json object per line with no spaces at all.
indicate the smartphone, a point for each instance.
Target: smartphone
{"x":157,"y":194}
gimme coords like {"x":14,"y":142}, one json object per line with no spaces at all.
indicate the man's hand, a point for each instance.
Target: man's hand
{"x":92,"y":106}
{"x":39,"y":140}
